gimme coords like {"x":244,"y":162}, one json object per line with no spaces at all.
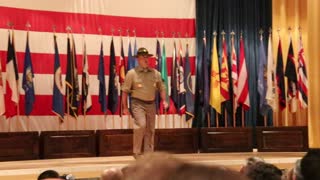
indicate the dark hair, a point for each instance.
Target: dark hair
{"x":264,"y":171}
{"x":193,"y":171}
{"x":310,"y":165}
{"x":48,"y":174}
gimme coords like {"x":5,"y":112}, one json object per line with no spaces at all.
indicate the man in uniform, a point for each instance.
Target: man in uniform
{"x":142,"y":83}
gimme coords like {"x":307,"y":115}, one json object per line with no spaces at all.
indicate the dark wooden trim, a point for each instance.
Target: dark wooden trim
{"x":19,"y":146}
{"x":285,"y":139}
{"x":226,"y":139}
{"x":183,"y":140}
{"x":67,"y":144}
{"x":114,"y":142}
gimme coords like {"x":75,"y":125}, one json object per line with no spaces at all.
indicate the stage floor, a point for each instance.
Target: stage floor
{"x":92,"y":167}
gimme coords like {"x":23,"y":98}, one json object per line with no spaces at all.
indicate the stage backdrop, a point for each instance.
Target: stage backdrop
{"x":246,"y":17}
{"x":141,"y":21}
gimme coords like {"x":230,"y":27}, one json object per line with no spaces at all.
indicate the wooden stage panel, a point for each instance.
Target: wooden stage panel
{"x":67,"y":144}
{"x":277,"y":139}
{"x":114,"y":142}
{"x":19,"y":146}
{"x":226,"y":140}
{"x":184,"y":140}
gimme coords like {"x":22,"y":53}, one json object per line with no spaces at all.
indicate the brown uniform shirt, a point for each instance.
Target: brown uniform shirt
{"x":143,"y":83}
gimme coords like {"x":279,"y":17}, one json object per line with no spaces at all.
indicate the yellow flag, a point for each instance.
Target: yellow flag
{"x":215,"y":95}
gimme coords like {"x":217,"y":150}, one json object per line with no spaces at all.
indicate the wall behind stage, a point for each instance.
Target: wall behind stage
{"x":143,"y":16}
{"x":285,"y":14}
{"x":305,"y":14}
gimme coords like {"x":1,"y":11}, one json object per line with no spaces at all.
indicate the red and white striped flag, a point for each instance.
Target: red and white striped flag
{"x":302,"y":77}
{"x":234,"y":74}
{"x":243,"y":84}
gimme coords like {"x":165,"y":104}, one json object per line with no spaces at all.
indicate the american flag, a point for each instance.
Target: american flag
{"x":140,"y":16}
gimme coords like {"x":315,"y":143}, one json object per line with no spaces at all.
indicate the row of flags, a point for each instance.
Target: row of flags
{"x":116,"y":78}
{"x":72,"y":100}
{"x":214,"y":91}
{"x":272,"y":82}
{"x":235,"y":86}
{"x":220,"y":81}
{"x":181,"y":99}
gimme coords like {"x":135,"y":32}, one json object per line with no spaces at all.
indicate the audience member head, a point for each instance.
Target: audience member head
{"x":161,"y":166}
{"x":250,"y":161}
{"x":112,"y":174}
{"x":155,"y":166}
{"x":294,"y":173}
{"x":310,"y":165}
{"x":49,"y":175}
{"x":263,"y":171}
{"x":189,"y":171}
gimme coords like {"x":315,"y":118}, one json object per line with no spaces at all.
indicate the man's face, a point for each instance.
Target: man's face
{"x":143,"y":61}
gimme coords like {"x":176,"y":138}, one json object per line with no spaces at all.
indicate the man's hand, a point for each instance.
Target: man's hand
{"x":125,"y":111}
{"x":165,"y":104}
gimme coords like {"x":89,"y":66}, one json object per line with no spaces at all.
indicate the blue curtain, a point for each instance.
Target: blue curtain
{"x":241,"y":16}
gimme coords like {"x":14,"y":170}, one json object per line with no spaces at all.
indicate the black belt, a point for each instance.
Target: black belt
{"x":143,"y":101}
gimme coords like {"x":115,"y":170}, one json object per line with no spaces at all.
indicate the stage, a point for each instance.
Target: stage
{"x":93,"y":166}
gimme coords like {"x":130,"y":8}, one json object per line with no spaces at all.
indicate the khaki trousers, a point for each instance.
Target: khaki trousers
{"x":143,"y":126}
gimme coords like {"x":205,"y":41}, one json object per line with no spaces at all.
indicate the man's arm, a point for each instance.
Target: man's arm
{"x":164,"y":99}
{"x":124,"y":102}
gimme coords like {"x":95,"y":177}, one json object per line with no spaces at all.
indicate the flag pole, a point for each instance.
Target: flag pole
{"x":10,"y":26}
{"x":113,"y":122}
{"x":59,"y":123}
{"x":225,"y":118}
{"x":173,"y":120}
{"x":130,"y":121}
{"x":181,"y":121}
{"x":234,"y":117}
{"x":208,"y":120}
{"x":294,"y":118}
{"x":85,"y":115}
{"x":121,"y":117}
{"x":234,"y":81}
{"x":68,"y":93}
{"x":217,"y":119}
{"x":158,"y":121}
{"x":105,"y":120}
{"x":17,"y":81}
{"x":9,"y":124}
{"x":242,"y":117}
{"x":165,"y":118}
{"x":28,"y":25}
{"x":60,"y":120}
{"x":121,"y":121}
{"x":85,"y":101}
{"x":28,"y":123}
